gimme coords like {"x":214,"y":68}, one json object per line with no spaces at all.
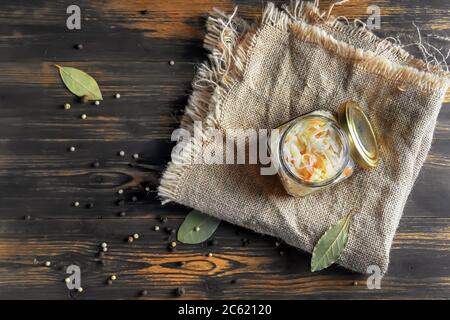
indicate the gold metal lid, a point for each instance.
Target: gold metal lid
{"x":362,"y":139}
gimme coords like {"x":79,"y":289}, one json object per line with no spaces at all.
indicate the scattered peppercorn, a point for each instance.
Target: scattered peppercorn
{"x":233,"y":281}
{"x":180,"y":292}
{"x":28,"y":217}
{"x":117,"y":96}
{"x":163,"y":219}
{"x":120,"y":191}
{"x":144,"y":12}
{"x":210,"y":254}
{"x":213,"y":242}
{"x":76,"y":204}
{"x":120,"y":202}
{"x":135,"y":156}
{"x":90,"y":205}
{"x":130,"y":239}
{"x":134,"y":198}
{"x":355,"y":283}
{"x":96,"y":164}
{"x":47,"y":263}
{"x":168,"y":230}
{"x":147,"y":189}
{"x":79,"y":46}
{"x":84,"y":99}
{"x":197,"y":228}
{"x":101,"y":254}
{"x":80,"y":289}
{"x":171,"y":62}
{"x":173,"y":244}
{"x":72,"y":149}
{"x":109,"y":282}
{"x":83,"y":116}
{"x":105,"y":249}
{"x":67,"y":280}
{"x":136,"y":236}
{"x":113,"y":277}
{"x":97,"y":103}
{"x":181,"y":263}
{"x":122,"y":214}
{"x":245,"y":241}
{"x":281,"y":253}
{"x":104,"y":245}
{"x":156,"y":228}
{"x":143,"y":293}
{"x":67,"y":106}
{"x":277,"y":243}
{"x":121,"y":153}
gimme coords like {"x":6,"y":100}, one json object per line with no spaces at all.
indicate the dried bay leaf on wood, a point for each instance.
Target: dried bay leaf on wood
{"x":80,"y":83}
{"x":205,"y":224}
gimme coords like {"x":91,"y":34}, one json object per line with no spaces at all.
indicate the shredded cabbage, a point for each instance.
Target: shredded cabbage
{"x":313,"y":150}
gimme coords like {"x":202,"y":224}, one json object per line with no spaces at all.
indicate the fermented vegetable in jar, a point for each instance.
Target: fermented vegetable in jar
{"x":319,"y":149}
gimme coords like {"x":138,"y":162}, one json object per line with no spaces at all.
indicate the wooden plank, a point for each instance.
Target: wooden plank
{"x":127,"y":50}
{"x":259,"y":269}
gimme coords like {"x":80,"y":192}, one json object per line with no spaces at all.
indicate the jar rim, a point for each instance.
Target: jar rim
{"x":345,"y":145}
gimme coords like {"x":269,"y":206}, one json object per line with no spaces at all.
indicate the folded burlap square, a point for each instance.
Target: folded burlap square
{"x":294,"y":61}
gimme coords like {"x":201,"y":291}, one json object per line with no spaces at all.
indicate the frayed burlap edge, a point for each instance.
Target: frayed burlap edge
{"x":230,"y":42}
{"x":309,"y":12}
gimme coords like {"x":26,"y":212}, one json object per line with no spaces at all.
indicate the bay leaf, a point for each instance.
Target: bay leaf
{"x":331,"y":244}
{"x":80,"y":83}
{"x":197,"y":227}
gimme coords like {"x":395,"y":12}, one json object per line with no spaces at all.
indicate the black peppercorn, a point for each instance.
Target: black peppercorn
{"x":163,"y":219}
{"x":168,"y":230}
{"x":85,"y":99}
{"x":120,"y":202}
{"x":96,"y":164}
{"x":213,"y":242}
{"x":122,"y":214}
{"x":144,"y":12}
{"x":143,"y":293}
{"x":90,"y":205}
{"x":109,"y":282}
{"x":181,"y":263}
{"x":180,"y":292}
{"x":27,"y":217}
{"x":79,"y":46}
{"x":245,"y":241}
{"x":134,"y":198}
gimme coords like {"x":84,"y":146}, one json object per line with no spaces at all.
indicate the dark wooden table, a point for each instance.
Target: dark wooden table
{"x":127,"y":47}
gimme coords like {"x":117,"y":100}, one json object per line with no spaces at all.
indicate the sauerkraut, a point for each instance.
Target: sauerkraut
{"x":313,"y":150}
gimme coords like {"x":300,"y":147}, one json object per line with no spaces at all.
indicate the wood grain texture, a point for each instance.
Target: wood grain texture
{"x":127,"y":46}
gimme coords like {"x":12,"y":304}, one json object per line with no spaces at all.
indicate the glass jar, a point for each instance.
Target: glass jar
{"x":320,"y":149}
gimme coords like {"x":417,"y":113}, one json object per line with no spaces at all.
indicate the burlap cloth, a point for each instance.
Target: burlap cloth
{"x":294,"y":61}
